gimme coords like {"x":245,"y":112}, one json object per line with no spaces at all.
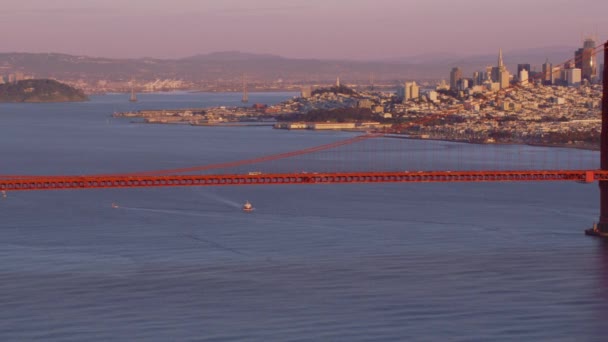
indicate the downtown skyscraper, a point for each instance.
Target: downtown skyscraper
{"x":584,"y":59}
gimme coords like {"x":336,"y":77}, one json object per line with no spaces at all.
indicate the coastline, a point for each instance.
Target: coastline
{"x":572,"y":146}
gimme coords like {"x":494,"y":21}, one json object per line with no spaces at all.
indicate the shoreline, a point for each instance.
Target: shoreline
{"x":387,"y":135}
{"x":571,"y":146}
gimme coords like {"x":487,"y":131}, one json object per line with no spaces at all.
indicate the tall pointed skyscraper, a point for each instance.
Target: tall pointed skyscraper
{"x":338,"y":82}
{"x":500,"y":74}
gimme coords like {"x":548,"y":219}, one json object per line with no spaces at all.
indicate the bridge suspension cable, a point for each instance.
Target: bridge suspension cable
{"x":258,"y":159}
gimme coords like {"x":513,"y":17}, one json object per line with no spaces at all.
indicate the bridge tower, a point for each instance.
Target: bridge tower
{"x":601,"y":228}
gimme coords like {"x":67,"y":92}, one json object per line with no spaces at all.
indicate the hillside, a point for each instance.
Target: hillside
{"x":40,"y":90}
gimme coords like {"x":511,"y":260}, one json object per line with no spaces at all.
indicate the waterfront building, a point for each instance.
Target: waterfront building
{"x":455,"y":76}
{"x":585,"y":60}
{"x":330,"y":125}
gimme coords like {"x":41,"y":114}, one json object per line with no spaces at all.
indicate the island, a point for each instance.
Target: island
{"x":39,"y":91}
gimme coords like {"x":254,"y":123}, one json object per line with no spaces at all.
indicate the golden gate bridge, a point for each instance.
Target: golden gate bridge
{"x":532,"y":167}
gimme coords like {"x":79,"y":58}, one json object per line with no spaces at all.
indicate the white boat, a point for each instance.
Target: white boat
{"x":115,"y":206}
{"x":247,"y":207}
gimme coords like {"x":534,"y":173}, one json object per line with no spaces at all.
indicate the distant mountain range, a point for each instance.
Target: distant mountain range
{"x":231,"y":65}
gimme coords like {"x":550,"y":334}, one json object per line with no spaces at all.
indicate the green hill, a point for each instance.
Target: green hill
{"x":36,"y":91}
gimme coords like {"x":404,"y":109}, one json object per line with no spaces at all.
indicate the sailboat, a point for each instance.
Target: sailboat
{"x":133,"y":97}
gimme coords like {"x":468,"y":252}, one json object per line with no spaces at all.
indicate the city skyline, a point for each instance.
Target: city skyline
{"x":354,"y":29}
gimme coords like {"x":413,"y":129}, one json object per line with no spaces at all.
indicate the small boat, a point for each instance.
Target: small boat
{"x":247,"y":207}
{"x":3,"y":193}
{"x":115,"y":206}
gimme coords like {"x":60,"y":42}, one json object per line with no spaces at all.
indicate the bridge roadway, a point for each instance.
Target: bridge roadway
{"x":23,"y":183}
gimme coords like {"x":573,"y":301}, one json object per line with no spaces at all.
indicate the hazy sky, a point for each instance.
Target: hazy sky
{"x":356,"y":29}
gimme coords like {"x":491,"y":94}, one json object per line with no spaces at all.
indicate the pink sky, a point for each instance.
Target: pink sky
{"x":354,"y":29}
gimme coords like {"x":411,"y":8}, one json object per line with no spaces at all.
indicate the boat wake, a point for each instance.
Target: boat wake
{"x":167,"y":211}
{"x":222,"y":200}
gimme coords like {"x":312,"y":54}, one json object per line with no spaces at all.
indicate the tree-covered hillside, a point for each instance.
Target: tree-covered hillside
{"x":40,"y":91}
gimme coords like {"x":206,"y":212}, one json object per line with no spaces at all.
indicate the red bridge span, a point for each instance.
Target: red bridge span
{"x":143,"y":181}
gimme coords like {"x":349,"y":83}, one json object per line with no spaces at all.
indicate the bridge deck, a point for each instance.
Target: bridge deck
{"x":23,"y":183}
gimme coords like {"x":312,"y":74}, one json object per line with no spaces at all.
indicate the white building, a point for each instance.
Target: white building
{"x":523,"y":77}
{"x":573,"y":77}
{"x":412,"y":91}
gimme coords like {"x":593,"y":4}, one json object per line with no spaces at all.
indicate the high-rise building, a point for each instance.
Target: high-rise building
{"x":482,"y":77}
{"x":522,"y":77}
{"x":455,"y":76}
{"x":547,"y":72}
{"x":573,"y":77}
{"x":415,"y":91}
{"x":584,"y":59}
{"x":500,"y":73}
{"x":463,"y":84}
{"x":476,"y":78}
{"x":489,"y":69}
{"x":411,"y":91}
{"x":521,"y":67}
{"x":503,"y":79}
